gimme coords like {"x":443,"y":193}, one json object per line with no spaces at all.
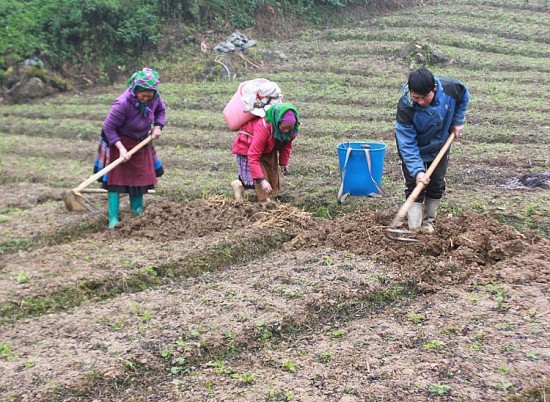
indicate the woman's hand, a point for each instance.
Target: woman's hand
{"x":266,"y":186}
{"x":157,"y":131}
{"x":285,"y":170}
{"x":122,"y":151}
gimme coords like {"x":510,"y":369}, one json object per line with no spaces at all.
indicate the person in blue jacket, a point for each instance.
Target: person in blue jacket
{"x":430,"y":108}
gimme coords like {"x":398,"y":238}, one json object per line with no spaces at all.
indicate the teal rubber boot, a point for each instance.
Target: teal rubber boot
{"x":136,"y":204}
{"x":113,"y":208}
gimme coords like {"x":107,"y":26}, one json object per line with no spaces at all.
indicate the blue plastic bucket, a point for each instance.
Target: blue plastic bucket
{"x":356,"y":178}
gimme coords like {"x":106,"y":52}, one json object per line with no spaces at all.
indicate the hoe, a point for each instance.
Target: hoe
{"x":74,"y":200}
{"x":395,"y":231}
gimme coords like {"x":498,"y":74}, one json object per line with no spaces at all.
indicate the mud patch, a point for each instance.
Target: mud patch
{"x":530,"y":181}
{"x":168,"y":220}
{"x":460,"y":249}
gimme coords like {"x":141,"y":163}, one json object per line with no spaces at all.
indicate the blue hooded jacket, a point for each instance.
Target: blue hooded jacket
{"x":421,"y":131}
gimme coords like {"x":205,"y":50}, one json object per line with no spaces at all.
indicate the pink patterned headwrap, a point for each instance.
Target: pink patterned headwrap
{"x":289,"y":117}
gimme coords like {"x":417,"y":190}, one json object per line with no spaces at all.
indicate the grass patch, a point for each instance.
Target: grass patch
{"x":193,"y":265}
{"x":61,"y":236}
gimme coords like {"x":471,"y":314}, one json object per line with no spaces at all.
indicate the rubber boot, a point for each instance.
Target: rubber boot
{"x":430,"y":213}
{"x":136,"y":204}
{"x":414,"y":215}
{"x":238,"y":189}
{"x":113,"y":208}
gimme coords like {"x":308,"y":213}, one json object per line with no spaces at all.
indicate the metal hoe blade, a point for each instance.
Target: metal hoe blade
{"x":396,"y":234}
{"x":76,"y":202}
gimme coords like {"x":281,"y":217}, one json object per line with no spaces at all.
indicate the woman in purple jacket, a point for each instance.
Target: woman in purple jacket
{"x":128,"y":123}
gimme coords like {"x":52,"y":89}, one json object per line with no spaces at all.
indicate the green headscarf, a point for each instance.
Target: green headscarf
{"x":275,"y":113}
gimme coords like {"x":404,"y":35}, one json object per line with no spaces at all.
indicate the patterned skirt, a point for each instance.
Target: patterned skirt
{"x":135,"y":176}
{"x":270,"y":168}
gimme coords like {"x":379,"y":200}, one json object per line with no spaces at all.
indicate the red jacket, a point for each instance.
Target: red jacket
{"x":260,"y":142}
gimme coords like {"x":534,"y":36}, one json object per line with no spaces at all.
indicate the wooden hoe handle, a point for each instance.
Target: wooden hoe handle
{"x":111,"y":166}
{"x":420,"y":186}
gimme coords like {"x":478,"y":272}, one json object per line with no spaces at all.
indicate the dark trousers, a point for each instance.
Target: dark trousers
{"x":435,"y":188}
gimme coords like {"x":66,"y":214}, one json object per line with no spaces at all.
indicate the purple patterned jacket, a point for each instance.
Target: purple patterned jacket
{"x":127,"y":120}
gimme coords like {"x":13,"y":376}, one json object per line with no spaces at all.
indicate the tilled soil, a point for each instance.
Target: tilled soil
{"x":340,"y":313}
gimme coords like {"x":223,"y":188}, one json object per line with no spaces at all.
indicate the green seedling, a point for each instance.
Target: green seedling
{"x":291,"y":294}
{"x":279,"y":396}
{"x":178,"y":366}
{"x":505,"y":326}
{"x":323,"y":212}
{"x":504,"y":370}
{"x":324,"y":357}
{"x":414,"y":318}
{"x":220,"y":368}
{"x":246,"y":378}
{"x":241,"y":317}
{"x":532,"y":356}
{"x":475,"y":346}
{"x":530,"y":210}
{"x":500,"y":298}
{"x":504,"y":386}
{"x":265,"y":333}
{"x":289,"y":366}
{"x":327,"y":260}
{"x":22,"y":278}
{"x":118,"y":324}
{"x":434,"y":345}
{"x":508,"y":348}
{"x":127,"y":262}
{"x":337,"y":333}
{"x":5,"y":351}
{"x":146,"y":316}
{"x":439,"y":389}
{"x":151,"y":271}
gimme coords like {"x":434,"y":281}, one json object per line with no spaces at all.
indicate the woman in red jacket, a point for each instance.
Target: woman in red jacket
{"x":261,"y":146}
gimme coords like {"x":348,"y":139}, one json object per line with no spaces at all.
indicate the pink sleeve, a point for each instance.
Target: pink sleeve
{"x":257,"y":148}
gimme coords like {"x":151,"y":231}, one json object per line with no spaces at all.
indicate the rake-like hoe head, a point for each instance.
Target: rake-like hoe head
{"x":400,"y":234}
{"x":76,"y":202}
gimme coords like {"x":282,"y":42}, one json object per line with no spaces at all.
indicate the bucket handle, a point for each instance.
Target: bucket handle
{"x":341,"y":196}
